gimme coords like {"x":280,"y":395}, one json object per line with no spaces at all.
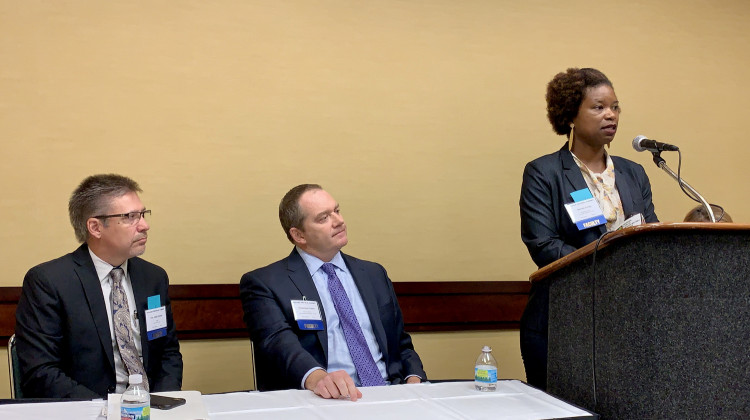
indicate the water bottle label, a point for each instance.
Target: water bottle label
{"x":488,"y":376}
{"x":135,"y":413}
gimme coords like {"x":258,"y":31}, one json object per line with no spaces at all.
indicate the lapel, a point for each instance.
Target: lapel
{"x":93,"y":290}
{"x":572,"y":173}
{"x":575,"y":182}
{"x":138,"y":283}
{"x":300,"y":277}
{"x":623,"y":182}
{"x":365,"y":285}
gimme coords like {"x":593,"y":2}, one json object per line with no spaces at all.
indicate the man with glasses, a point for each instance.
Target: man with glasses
{"x":87,"y":320}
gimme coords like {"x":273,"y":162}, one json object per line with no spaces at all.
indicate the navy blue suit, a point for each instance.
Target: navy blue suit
{"x":284,"y":353}
{"x":63,"y":335}
{"x":549,"y":234}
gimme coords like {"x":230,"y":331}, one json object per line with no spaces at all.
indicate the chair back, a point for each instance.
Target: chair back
{"x":14,"y":369}
{"x":253,"y":361}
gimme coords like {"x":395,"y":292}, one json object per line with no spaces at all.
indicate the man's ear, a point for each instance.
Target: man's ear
{"x":95,"y":227}
{"x":298,"y":236}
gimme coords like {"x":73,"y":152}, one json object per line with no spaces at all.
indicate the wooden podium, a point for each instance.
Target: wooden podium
{"x":659,"y":327}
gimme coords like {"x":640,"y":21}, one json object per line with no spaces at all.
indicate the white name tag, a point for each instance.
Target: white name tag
{"x":307,"y":315}
{"x":586,"y":214}
{"x":156,"y":322}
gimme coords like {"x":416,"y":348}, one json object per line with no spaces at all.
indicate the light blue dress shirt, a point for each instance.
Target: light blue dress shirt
{"x":338,"y":352}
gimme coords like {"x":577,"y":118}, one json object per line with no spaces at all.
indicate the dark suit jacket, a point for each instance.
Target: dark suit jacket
{"x":63,"y":336}
{"x":546,"y":228}
{"x":284,"y":353}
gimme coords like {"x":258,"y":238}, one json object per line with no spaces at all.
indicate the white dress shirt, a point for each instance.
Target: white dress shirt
{"x":103,"y":269}
{"x":339,"y":357}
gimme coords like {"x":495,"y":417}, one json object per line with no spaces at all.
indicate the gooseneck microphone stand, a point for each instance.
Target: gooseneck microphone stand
{"x":660,"y":162}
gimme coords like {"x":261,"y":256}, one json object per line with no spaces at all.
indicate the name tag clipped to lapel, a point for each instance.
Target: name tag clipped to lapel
{"x":307,"y":314}
{"x":584,"y":211}
{"x":156,"y":318}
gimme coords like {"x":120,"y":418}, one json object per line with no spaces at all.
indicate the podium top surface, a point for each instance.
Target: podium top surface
{"x":614,"y":236}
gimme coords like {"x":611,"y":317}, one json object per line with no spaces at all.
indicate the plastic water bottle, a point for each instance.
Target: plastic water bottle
{"x":485,"y":371}
{"x":135,"y":403}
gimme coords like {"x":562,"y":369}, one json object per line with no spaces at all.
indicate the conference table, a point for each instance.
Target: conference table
{"x":435,"y":401}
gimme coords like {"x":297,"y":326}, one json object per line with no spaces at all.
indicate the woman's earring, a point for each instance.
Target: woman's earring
{"x":572,"y":136}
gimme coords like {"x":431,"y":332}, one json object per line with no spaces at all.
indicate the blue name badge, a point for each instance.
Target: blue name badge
{"x":154,"y":301}
{"x":585,"y":211}
{"x":310,"y":324}
{"x":307,"y":315}
{"x":581,"y":195}
{"x":156,"y":318}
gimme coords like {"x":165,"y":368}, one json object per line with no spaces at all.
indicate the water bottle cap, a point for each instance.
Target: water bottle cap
{"x":487,"y":349}
{"x":135,"y":378}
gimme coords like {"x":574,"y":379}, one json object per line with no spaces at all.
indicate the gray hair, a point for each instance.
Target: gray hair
{"x":93,"y":197}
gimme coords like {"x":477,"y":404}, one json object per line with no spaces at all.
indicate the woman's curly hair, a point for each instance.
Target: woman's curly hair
{"x":566,"y":92}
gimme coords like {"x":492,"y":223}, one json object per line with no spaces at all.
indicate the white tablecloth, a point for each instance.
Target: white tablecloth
{"x":450,"y":400}
{"x":79,"y":410}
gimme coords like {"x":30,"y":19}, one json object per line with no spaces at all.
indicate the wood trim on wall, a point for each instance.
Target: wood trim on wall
{"x":462,"y":305}
{"x":206,"y":311}
{"x":8,"y":302}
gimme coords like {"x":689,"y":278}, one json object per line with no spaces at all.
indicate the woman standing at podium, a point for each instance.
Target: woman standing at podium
{"x":581,"y":105}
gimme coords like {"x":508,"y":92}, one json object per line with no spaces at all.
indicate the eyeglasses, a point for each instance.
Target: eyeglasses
{"x":130,"y":218}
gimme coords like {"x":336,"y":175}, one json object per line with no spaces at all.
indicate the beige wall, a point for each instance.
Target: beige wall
{"x":224,"y":365}
{"x":417,"y":115}
{"x":4,"y":374}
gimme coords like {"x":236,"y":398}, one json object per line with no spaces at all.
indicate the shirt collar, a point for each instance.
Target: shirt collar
{"x":103,"y":268}
{"x":608,"y":170}
{"x":314,"y":263}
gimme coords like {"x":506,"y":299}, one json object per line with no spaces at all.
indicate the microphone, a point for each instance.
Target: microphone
{"x":641,"y":143}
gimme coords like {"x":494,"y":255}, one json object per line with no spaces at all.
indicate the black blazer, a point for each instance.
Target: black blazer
{"x":63,"y":336}
{"x":546,"y":228}
{"x":284,"y":353}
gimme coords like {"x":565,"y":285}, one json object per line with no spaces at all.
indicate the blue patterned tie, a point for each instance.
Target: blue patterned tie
{"x":123,"y":330}
{"x":367,"y":370}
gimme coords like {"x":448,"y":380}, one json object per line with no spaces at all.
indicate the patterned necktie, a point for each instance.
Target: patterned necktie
{"x":367,"y":370}
{"x":123,"y":331}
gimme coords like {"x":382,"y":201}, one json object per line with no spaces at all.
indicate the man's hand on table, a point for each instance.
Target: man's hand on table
{"x":336,"y":384}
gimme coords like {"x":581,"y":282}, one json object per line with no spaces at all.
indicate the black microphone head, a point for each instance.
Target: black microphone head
{"x":637,"y":143}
